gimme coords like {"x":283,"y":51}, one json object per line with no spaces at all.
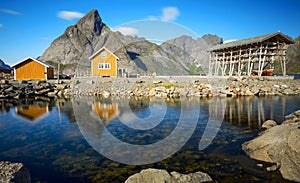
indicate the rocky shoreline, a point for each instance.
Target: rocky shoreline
{"x":151,"y":87}
{"x":279,"y":145}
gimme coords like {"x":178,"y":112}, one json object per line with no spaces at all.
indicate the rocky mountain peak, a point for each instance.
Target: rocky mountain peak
{"x":91,"y":22}
{"x":73,"y":48}
{"x":212,"y":39}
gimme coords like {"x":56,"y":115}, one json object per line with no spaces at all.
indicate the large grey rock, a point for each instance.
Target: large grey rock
{"x":162,"y":176}
{"x":13,"y":173}
{"x":191,"y":177}
{"x":279,"y":145}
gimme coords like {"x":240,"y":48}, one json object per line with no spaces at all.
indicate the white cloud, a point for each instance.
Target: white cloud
{"x":127,"y":30}
{"x":1,"y":26}
{"x":170,"y":14}
{"x":11,"y":12}
{"x":70,"y":15}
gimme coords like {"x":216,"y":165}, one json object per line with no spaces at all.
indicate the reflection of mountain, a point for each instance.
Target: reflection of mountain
{"x":106,"y":111}
{"x":32,"y":113}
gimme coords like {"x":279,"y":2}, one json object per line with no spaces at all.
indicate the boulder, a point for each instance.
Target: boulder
{"x":14,"y":173}
{"x":279,"y":145}
{"x":191,"y":177}
{"x":269,"y":124}
{"x":150,"y":176}
{"x":249,"y":93}
{"x":288,"y":92}
{"x":157,"y":176}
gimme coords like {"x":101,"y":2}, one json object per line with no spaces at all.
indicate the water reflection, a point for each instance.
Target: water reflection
{"x":32,"y":113}
{"x":253,"y":111}
{"x":105,"y":110}
{"x":177,"y":132}
{"x":55,"y":146}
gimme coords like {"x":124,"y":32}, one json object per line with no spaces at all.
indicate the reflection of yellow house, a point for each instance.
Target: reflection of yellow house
{"x":104,"y":63}
{"x":32,"y":113}
{"x":105,"y":111}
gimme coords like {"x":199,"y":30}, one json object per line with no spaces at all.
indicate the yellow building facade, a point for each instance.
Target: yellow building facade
{"x":32,"y":69}
{"x":104,"y":63}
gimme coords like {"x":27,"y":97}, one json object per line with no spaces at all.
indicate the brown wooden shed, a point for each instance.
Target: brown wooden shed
{"x":244,"y":56}
{"x":33,"y":69}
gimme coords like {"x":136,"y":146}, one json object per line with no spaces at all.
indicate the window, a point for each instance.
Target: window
{"x":104,"y":66}
{"x":101,"y":65}
{"x":104,"y":54}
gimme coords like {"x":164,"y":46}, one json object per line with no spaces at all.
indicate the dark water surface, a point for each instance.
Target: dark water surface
{"x":60,"y":146}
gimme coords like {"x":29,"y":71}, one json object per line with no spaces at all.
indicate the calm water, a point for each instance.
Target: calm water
{"x":60,"y":145}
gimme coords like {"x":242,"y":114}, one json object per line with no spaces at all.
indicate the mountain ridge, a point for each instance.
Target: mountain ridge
{"x":182,"y":55}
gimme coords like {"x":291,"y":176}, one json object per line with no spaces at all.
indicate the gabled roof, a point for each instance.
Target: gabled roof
{"x":257,"y":39}
{"x":101,"y":49}
{"x":40,"y":62}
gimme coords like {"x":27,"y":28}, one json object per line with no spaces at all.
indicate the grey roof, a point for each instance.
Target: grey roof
{"x":257,"y":39}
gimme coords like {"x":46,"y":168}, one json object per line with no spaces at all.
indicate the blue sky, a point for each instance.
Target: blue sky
{"x":27,"y":27}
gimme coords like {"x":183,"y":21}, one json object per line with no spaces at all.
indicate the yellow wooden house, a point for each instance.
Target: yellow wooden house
{"x":104,"y":63}
{"x":32,"y":69}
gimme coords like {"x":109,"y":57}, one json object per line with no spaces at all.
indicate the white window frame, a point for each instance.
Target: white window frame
{"x":100,"y":65}
{"x":107,"y":66}
{"x":104,"y":66}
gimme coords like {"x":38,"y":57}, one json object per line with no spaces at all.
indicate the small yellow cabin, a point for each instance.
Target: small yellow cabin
{"x":104,"y":63}
{"x":33,"y":69}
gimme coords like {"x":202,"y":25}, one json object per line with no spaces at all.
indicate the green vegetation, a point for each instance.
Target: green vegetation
{"x":194,"y":69}
{"x":62,"y":66}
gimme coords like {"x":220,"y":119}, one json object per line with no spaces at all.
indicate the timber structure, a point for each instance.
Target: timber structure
{"x":249,"y":56}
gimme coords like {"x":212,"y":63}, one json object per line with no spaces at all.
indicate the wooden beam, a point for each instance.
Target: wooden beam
{"x":259,"y":62}
{"x":249,"y":62}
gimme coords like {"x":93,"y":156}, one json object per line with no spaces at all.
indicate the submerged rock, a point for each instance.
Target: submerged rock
{"x":156,"y":176}
{"x":13,"y":173}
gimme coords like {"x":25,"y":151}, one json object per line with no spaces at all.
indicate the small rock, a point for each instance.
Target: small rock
{"x":3,"y":81}
{"x":259,"y":165}
{"x":140,"y":82}
{"x":157,"y":82}
{"x":269,"y":124}
{"x":160,"y":89}
{"x":273,"y":168}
